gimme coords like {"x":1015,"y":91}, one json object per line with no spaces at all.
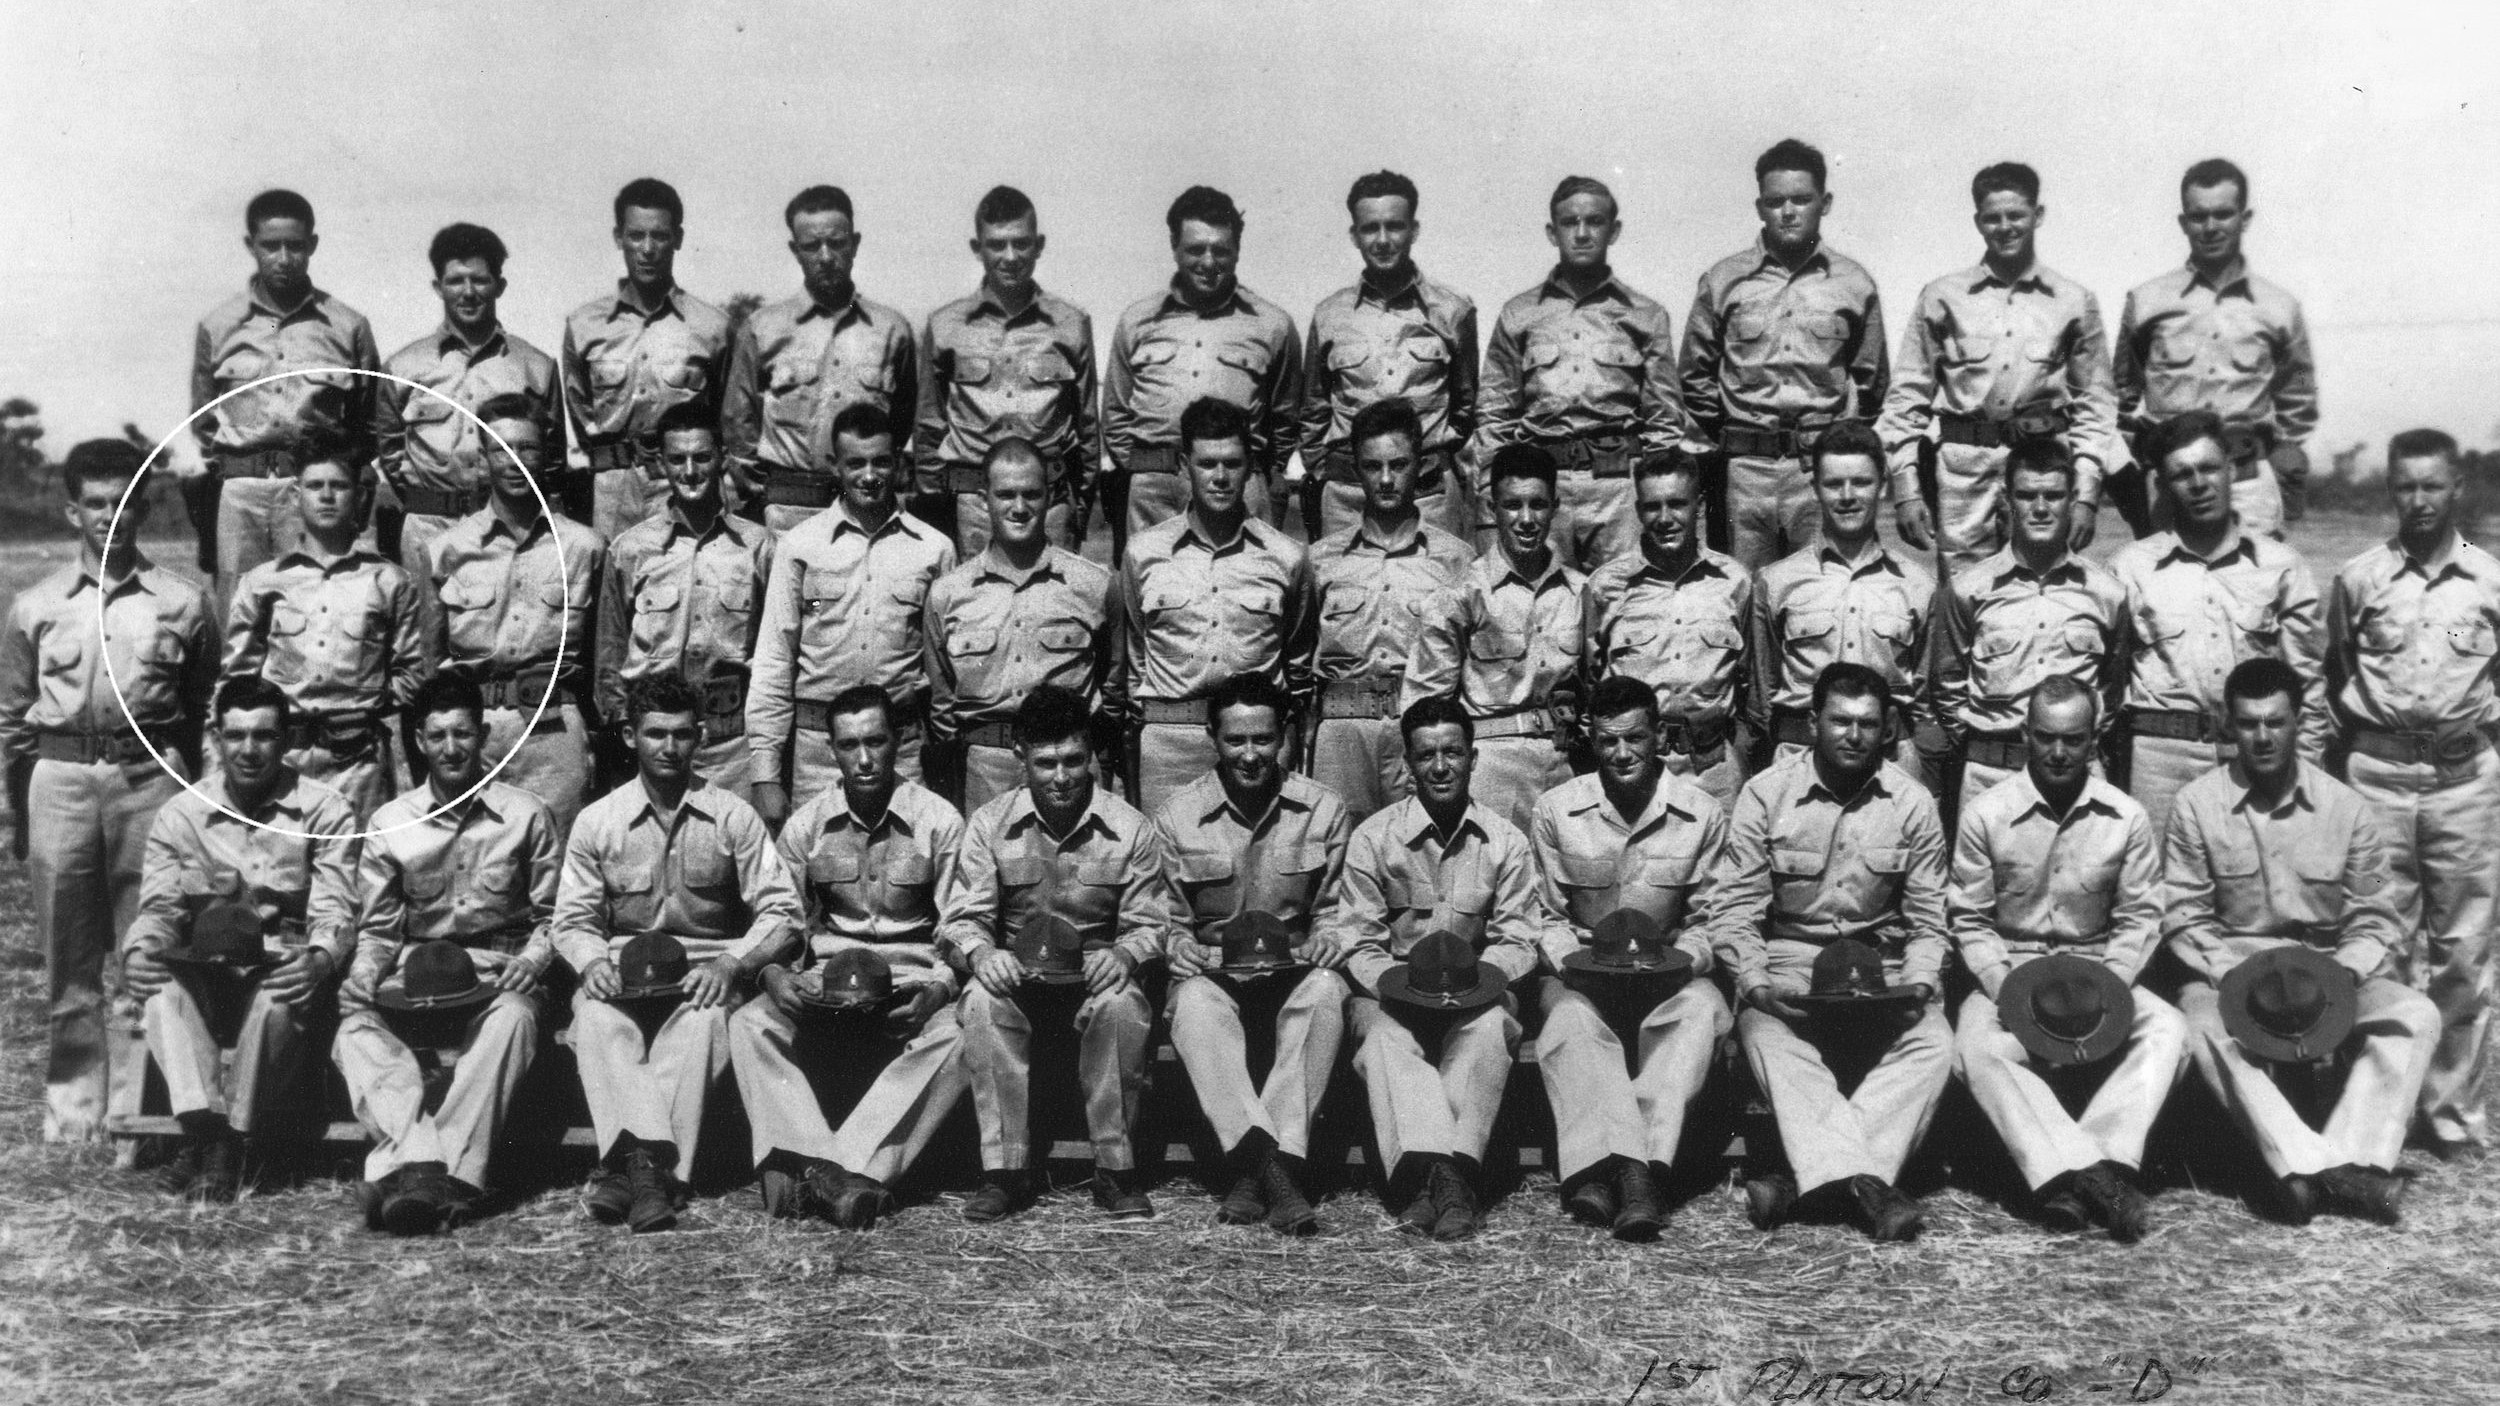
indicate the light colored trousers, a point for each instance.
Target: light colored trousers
{"x":270,"y":1049}
{"x":1722,"y":779}
{"x":1363,"y":760}
{"x":2447,"y":871}
{"x":1309,"y":1017}
{"x":258,"y":520}
{"x":882,"y":1133}
{"x":554,"y":765}
{"x":619,"y":498}
{"x":1111,"y":1031}
{"x":990,"y":772}
{"x":2158,"y":767}
{"x":496,"y":1049}
{"x":1169,"y":757}
{"x":1437,"y":1098}
{"x":1872,"y":1131}
{"x":1593,"y":519}
{"x":1511,"y":772}
{"x":1970,"y":502}
{"x":1610,"y":1103}
{"x":2393,"y":1034}
{"x":2046,"y":1140}
{"x":654,"y":1090}
{"x":1770,"y":509}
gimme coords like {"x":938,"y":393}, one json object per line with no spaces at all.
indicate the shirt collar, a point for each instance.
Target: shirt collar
{"x":838,"y":810}
{"x":447,"y":339}
{"x":1701,"y":562}
{"x":2234,"y":275}
{"x":2237,"y":544}
{"x":624,"y":305}
{"x":1662,"y":802}
{"x":305,"y":552}
{"x":995,"y":566}
{"x":1608,"y":287}
{"x":1193,"y":528}
{"x":1233,"y":301}
{"x":1023,"y":814}
{"x":1411,"y":285}
{"x":2430,"y":568}
{"x":678,"y":526}
{"x":1875,"y":784}
{"x":537,"y":527}
{"x":1416,"y":823}
{"x":450,"y":816}
{"x":2006,"y":565}
{"x":1981,"y":275}
{"x":843,"y":522}
{"x":697,"y":801}
{"x":1821,"y":258}
{"x":1405,"y":540}
{"x":849,"y":308}
{"x":2300,"y":798}
{"x":1880,"y":558}
{"x":1222,"y":805}
{"x":2096,"y":794}
{"x":315,"y":303}
{"x":1505,"y":569}
{"x":142,"y":577}
{"x":287,"y":796}
{"x":989,"y":303}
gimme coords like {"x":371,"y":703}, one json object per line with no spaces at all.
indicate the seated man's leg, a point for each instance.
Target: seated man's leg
{"x":2121,"y":1113}
{"x":2043,"y":1137}
{"x":623,"y":1096}
{"x":1677,"y":1040}
{"x":2395,"y":1031}
{"x":894,"y":1120}
{"x":1897,"y":1098}
{"x":998,"y":1058}
{"x":1597,"y":1115}
{"x":1476,"y":1058}
{"x":783,"y":1114}
{"x":269,"y":1053}
{"x":1207,"y":1034}
{"x":1310,"y":1028}
{"x":689,"y":1053}
{"x":1410,"y":1115}
{"x":2289,"y":1146}
{"x":388,"y":1092}
{"x":1818,"y":1127}
{"x":1111,"y":1070}
{"x":185,"y":1051}
{"x":502,"y":1044}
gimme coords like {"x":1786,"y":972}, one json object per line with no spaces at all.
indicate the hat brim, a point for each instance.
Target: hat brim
{"x":1263,"y":968}
{"x":637,"y":995}
{"x":185,"y":957}
{"x":406,"y":1004}
{"x":873,"y":1005}
{"x":1675,"y":961}
{"x":1052,"y":978}
{"x":2015,"y":1014}
{"x":2343,"y":1002}
{"x":1397,"y":986}
{"x":1891,"y":998}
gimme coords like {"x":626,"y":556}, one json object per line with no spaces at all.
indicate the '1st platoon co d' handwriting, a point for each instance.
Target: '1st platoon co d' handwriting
{"x":1795,"y":1379}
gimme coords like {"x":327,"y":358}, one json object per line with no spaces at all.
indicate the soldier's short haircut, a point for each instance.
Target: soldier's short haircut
{"x":1618,"y":694}
{"x":1004,"y":205}
{"x":2063,"y":688}
{"x":1382,"y":185}
{"x":1249,"y":691}
{"x":2169,"y":436}
{"x":277,"y":205}
{"x":1664,"y":463}
{"x":862,"y":420}
{"x":1519,"y":461}
{"x":447,"y":693}
{"x":1389,"y":415}
{"x":1849,"y":438}
{"x":860,"y":698}
{"x":1790,"y":154}
{"x":1847,"y":679}
{"x":817,"y":200}
{"x":512,"y":405}
{"x":1583,"y":185}
{"x":650,"y":193}
{"x":2215,"y":171}
{"x":688,"y":415}
{"x":1050,"y":715}
{"x":2264,"y":677}
{"x":466,"y":241}
{"x":2422,"y":444}
{"x":1206,"y":205}
{"x":102,"y":459}
{"x":249,"y":693}
{"x":1208,"y":418}
{"x":2040,"y":454}
{"x":664,"y":692}
{"x":330,"y":444}
{"x":1014,"y":449}
{"x":2011,"y":176}
{"x":1434,"y":710}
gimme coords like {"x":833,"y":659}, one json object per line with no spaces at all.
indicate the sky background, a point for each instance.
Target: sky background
{"x":134,"y":133}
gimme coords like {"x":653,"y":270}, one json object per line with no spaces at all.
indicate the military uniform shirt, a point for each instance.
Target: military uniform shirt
{"x":675,"y":600}
{"x":2239,"y":879}
{"x":342,"y":636}
{"x":1402,"y":882}
{"x":516,"y":600}
{"x":1165,"y":354}
{"x":1561,"y":366}
{"x":996,"y":634}
{"x":2027,"y":883}
{"x":1498,"y":640}
{"x":425,"y":442}
{"x":245,"y":339}
{"x":481,"y":873}
{"x":707,"y":876}
{"x":1110,"y":878}
{"x":625,"y":368}
{"x":798,"y":365}
{"x":1683,"y":635}
{"x":1765,"y":346}
{"x":990,"y":375}
{"x":2236,"y":346}
{"x":875,"y":886}
{"x":1374,"y":594}
{"x":52,"y":671}
{"x":2192,"y":619}
{"x":2001,"y":628}
{"x":303,"y":880}
{"x":1416,"y":342}
{"x":1812,"y":610}
{"x":1590,"y":861}
{"x":2411,"y":643}
{"x":1283,"y":862}
{"x":1196,"y":612}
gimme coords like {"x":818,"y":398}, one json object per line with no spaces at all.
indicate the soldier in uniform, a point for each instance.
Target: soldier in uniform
{"x":1583,"y":366}
{"x":843,"y":606}
{"x":1505,"y":641}
{"x":1062,"y":850}
{"x":1204,"y":596}
{"x":242,"y":507}
{"x":518,"y":584}
{"x":283,"y":849}
{"x":633,"y":355}
{"x":1675,"y":616}
{"x":2214,"y":337}
{"x":680,"y":594}
{"x":1784,"y":338}
{"x":337,"y":626}
{"x":2002,"y":351}
{"x":2204,"y":596}
{"x":93,"y":749}
{"x":799,"y":363}
{"x":867,"y":855}
{"x":1376,"y":580}
{"x":2271,"y":852}
{"x":2033,"y":611}
{"x":2412,"y":628}
{"x":665,"y":854}
{"x":1393,"y":334}
{"x":1630,"y":836}
{"x":1253,"y":838}
{"x":1020,"y":612}
{"x":1009,"y":362}
{"x":1827,"y":846}
{"x":1205,"y":336}
{"x":472,"y":863}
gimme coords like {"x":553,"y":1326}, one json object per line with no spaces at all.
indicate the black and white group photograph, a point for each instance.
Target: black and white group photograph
{"x":748,"y":701}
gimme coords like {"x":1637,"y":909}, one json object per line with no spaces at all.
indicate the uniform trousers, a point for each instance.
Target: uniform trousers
{"x":1308,"y":1014}
{"x":812,"y":771}
{"x":989,"y":772}
{"x":1511,"y":772}
{"x":1770,"y":509}
{"x":2446,"y":826}
{"x":258,"y":520}
{"x":2157,"y":767}
{"x":366,"y":779}
{"x":794,"y":1077}
{"x":1435,"y":1086}
{"x":1363,"y":760}
{"x":1169,"y":757}
{"x":553,"y":763}
{"x":272,"y":1045}
{"x":417,"y":532}
{"x":651,"y":1088}
{"x":86,"y":842}
{"x":2047,"y":1141}
{"x":1970,"y":502}
{"x":1613,"y":1102}
{"x":1870,"y":1132}
{"x":497,"y":1044}
{"x":1722,"y":776}
{"x":1111,"y":1030}
{"x":2393,"y":1034}
{"x":729,"y":763}
{"x":619,"y":498}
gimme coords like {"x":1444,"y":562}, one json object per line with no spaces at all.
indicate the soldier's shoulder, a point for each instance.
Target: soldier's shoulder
{"x":1579,"y":791}
{"x":920,"y":805}
{"x":229,"y":313}
{"x":1180,"y":810}
{"x":576,"y":536}
{"x":506,"y":798}
{"x":2141,"y":553}
{"x":1082,"y":572}
{"x":1441,"y":295}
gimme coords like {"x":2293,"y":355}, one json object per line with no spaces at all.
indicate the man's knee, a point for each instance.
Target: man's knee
{"x":982,"y":1011}
{"x":1321,"y":989}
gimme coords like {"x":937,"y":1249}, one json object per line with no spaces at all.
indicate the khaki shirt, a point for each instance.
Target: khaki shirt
{"x":1165,"y":354}
{"x":246,"y":338}
{"x":1110,"y":878}
{"x":1404,"y":882}
{"x":1804,"y":867}
{"x":875,"y":886}
{"x":1565,"y":367}
{"x":1765,"y":346}
{"x":1195,"y":612}
{"x":2410,"y":643}
{"x":707,"y":875}
{"x":482,"y":874}
{"x":990,"y":375}
{"x":1416,"y":342}
{"x":342,"y":636}
{"x":1812,"y":610}
{"x":1982,"y":347}
{"x":841,"y":607}
{"x":2027,"y":882}
{"x":1683,"y":635}
{"x":2239,"y":879}
{"x":1590,"y":861}
{"x":2190,"y":620}
{"x":1284,"y":861}
{"x":2001,"y":628}
{"x":429,"y":444}
{"x":2236,"y":346}
{"x":675,"y":601}
{"x":625,"y":368}
{"x":995,"y":635}
{"x":798,"y":364}
{"x":1374,"y":594}
{"x":53,"y":674}
{"x":515,"y":600}
{"x":303,"y":883}
{"x":1498,"y":640}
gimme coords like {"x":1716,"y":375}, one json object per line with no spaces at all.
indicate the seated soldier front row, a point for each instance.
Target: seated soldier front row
{"x":886,"y":955}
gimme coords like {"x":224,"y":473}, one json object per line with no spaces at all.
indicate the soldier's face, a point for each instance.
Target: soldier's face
{"x":91,"y":513}
{"x":1667,"y":505}
{"x":1205,"y":256}
{"x":1791,"y":205}
{"x":1008,"y":252}
{"x":253,"y":745}
{"x":1387,"y":465}
{"x":691,"y":459}
{"x":2060,"y":737}
{"x":2425,"y":490}
{"x":1524,"y":508}
{"x":469,"y":290}
{"x":1849,"y":734}
{"x":864,"y":744}
{"x":2267,"y":731}
{"x":1442,"y":760}
{"x":282,"y":251}
{"x":2043,"y":506}
{"x":1019,"y":499}
{"x":1582,"y":229}
{"x":664,"y":745}
{"x":1847,"y":487}
{"x":2214,"y":220}
{"x":2009,"y":224}
{"x":866,"y":468}
{"x":329,"y":497}
{"x":512,"y":472}
{"x":1060,"y":774}
{"x":648,"y":239}
{"x":454,"y":744}
{"x":2197,"y":480}
{"x":1250,"y":748}
{"x":1384,"y":230}
{"x":826,"y":247}
{"x":1219,"y":471}
{"x":1626,"y":748}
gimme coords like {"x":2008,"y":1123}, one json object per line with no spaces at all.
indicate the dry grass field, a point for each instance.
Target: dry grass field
{"x":109,"y":1294}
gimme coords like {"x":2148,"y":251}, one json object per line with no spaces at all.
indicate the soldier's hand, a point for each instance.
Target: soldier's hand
{"x":1189,"y":957}
{"x":1107,"y":969}
{"x":998,"y":971}
{"x":143,"y":974}
{"x":356,"y":993}
{"x":772,"y":802}
{"x":910,"y":1015}
{"x":296,"y":979}
{"x":520,"y":978}
{"x":1769,"y":1002}
{"x":601,"y":983}
{"x":2087,"y":525}
{"x":1917,"y":526}
{"x":712,"y":982}
{"x":1326,"y":949}
{"x":781,"y":987}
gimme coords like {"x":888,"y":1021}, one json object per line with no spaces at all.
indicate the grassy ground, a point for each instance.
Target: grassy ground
{"x":108,"y":1294}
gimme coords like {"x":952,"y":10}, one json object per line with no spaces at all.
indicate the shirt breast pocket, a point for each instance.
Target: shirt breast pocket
{"x":1471,"y":911}
{"x":972,"y":644}
{"x":2473,"y":639}
{"x":1064,"y":637}
{"x":1886,"y":866}
{"x":655,"y":612}
{"x":2255,"y":627}
{"x":822,"y":591}
{"x":425,"y":888}
{"x":611,"y":374}
{"x":289,"y":630}
{"x":1255,"y":611}
{"x":906,"y":870}
{"x":1021,"y":872}
{"x":1620,"y":365}
{"x":709,"y":871}
{"x":2240,"y":902}
{"x":1969,"y":349}
{"x":832,"y":868}
{"x":1206,"y":880}
{"x":1796,"y":876}
{"x":1151,"y":362}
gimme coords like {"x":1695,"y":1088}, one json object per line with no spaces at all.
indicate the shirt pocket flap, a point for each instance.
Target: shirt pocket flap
{"x":1885,"y":859}
{"x":1298,"y":859}
{"x":1473,"y":900}
{"x":1102,"y":873}
{"x":1796,"y":863}
{"x":1400,"y":892}
{"x":1623,"y":356}
{"x":2324,"y":867}
{"x":1348,"y":356}
{"x":1673,"y":870}
{"x":425,"y":886}
{"x":631,"y":875}
{"x":910,"y":870}
{"x":832,"y":866}
{"x":707,"y":868}
{"x":1582,"y":871}
{"x":1203,"y":867}
{"x":1810,"y":624}
{"x":1050,"y":368}
{"x":1153,"y":353}
{"x":1022,"y":871}
{"x":1065,"y":639}
{"x":972,"y":370}
{"x":657,"y":598}
{"x":1250,"y":361}
{"x":1541,"y":355}
{"x":1426,"y":348}
{"x":966,"y":642}
{"x":823,"y":587}
{"x":1257,"y":600}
